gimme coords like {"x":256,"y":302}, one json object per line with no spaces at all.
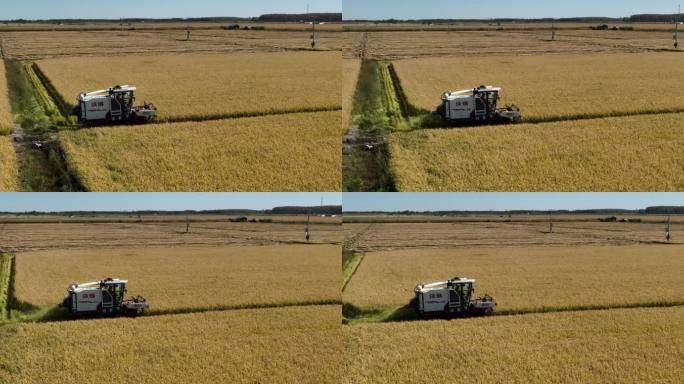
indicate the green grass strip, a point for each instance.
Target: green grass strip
{"x":350,"y":266}
{"x":6,"y":261}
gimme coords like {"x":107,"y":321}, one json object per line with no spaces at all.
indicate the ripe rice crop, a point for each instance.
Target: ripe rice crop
{"x":275,"y":345}
{"x":5,"y":110}
{"x":293,"y":152}
{"x":9,"y":178}
{"x":170,"y":278}
{"x":351,"y":77}
{"x":209,"y":86}
{"x":637,"y":153}
{"x":612,"y":346}
{"x":527,"y":279}
{"x":554,"y":86}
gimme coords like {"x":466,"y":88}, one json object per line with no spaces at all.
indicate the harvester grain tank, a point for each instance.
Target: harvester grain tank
{"x":477,"y":106}
{"x":112,"y":106}
{"x":104,"y":298}
{"x":451,"y":297}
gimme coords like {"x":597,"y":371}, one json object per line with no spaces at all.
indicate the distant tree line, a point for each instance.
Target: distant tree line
{"x":317,"y":210}
{"x":656,"y":18}
{"x":319,"y":17}
{"x":607,"y":211}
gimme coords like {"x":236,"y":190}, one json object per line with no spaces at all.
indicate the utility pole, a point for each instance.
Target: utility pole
{"x":553,"y":30}
{"x":550,"y":224}
{"x":668,"y":233}
{"x":313,"y":28}
{"x":676,"y":35}
{"x":187,"y":224}
{"x":306,"y":228}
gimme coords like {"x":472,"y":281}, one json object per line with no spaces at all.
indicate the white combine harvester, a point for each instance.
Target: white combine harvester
{"x":451,"y":297}
{"x":104,"y":298}
{"x":477,"y":106}
{"x":112,"y":106}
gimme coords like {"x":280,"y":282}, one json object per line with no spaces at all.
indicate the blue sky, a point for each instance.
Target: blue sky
{"x":488,"y":9}
{"x":75,"y":9}
{"x":504,"y":201}
{"x":52,"y":202}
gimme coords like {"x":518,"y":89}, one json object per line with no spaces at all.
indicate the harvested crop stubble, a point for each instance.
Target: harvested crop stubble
{"x":209,"y":86}
{"x":293,"y":152}
{"x":554,"y":86}
{"x":9,"y":177}
{"x":613,"y":346}
{"x":64,"y":235}
{"x":637,"y":153}
{"x":276,"y":345}
{"x":170,"y":278}
{"x":391,"y":236}
{"x":351,"y":77}
{"x":5,"y":110}
{"x":533,"y":278}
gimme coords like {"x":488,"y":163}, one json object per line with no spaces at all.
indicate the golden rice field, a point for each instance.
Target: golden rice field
{"x":351,"y":68}
{"x":283,"y":345}
{"x":188,"y":277}
{"x":637,"y":153}
{"x":6,"y":123}
{"x":554,"y":86}
{"x":293,"y":152}
{"x":9,"y":177}
{"x":208,"y":86}
{"x":614,"y":346}
{"x":532,"y":278}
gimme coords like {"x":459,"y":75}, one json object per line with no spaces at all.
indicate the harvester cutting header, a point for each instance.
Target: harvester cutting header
{"x":477,"y":106}
{"x":113,"y":106}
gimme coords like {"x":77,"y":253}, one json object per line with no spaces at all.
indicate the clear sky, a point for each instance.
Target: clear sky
{"x":392,"y":202}
{"x":489,"y":9}
{"x":80,"y":9}
{"x":53,"y":202}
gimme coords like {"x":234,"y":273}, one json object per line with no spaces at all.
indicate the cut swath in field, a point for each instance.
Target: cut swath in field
{"x":554,"y":87}
{"x":636,"y":153}
{"x":581,"y":347}
{"x":9,"y":177}
{"x":6,"y":261}
{"x":527,"y":279}
{"x":6,"y":123}
{"x":209,"y":86}
{"x":293,"y":345}
{"x":170,"y":278}
{"x":351,"y":68}
{"x":292,"y":152}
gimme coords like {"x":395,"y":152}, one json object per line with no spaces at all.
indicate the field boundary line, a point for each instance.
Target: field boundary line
{"x":357,"y":315}
{"x":350,"y":268}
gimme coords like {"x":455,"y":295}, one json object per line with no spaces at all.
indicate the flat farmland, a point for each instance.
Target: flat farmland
{"x":291,"y":152}
{"x":6,"y":123}
{"x":170,"y":278}
{"x":517,"y":233}
{"x":556,"y":86}
{"x":21,"y":237}
{"x":636,"y":153}
{"x":625,"y":346}
{"x":32,"y":45}
{"x":527,"y":279}
{"x":351,"y":68}
{"x":209,"y":86}
{"x":290,"y":345}
{"x":9,"y":179}
{"x":396,"y":44}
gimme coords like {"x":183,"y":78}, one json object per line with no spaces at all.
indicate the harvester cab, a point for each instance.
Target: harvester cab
{"x":111,"y":106}
{"x":477,"y":106}
{"x":451,"y":297}
{"x":104,"y":297}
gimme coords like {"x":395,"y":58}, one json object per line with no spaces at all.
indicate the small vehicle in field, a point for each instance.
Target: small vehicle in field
{"x":103,"y":298}
{"x":477,"y":106}
{"x":453,"y":297}
{"x":112,"y":106}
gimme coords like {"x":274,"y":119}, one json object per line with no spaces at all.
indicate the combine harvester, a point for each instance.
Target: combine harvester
{"x":477,"y":106}
{"x":112,"y":106}
{"x":103,"y":298}
{"x":451,"y":298}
